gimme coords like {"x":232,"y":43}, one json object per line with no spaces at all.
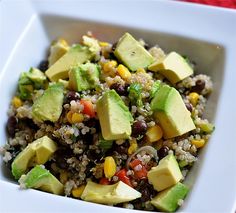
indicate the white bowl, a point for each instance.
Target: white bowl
{"x":206,"y":34}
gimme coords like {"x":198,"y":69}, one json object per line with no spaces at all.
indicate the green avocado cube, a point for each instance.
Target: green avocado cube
{"x":166,"y":174}
{"x":170,"y":110}
{"x":170,"y":199}
{"x":40,"y":178}
{"x":84,"y":77}
{"x":48,"y":107}
{"x":109,"y":194}
{"x":22,"y":161}
{"x":174,"y":67}
{"x":131,"y":53}
{"x":37,"y":152}
{"x":114,"y":116}
{"x":37,"y":77}
{"x":76,"y":55}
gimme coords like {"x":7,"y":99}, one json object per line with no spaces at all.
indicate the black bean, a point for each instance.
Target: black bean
{"x":120,"y":89}
{"x":146,"y":46}
{"x":189,"y":107}
{"x":139,"y":128}
{"x":146,"y":190}
{"x":199,"y":86}
{"x":71,"y":95}
{"x":12,"y":125}
{"x":114,"y":46}
{"x":121,"y":149}
{"x":93,"y":123}
{"x":43,"y":65}
{"x":163,"y":151}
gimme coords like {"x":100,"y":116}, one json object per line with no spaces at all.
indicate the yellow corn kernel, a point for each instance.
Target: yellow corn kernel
{"x":103,"y":44}
{"x":109,"y":167}
{"x":63,"y":42}
{"x":193,"y":98}
{"x":77,"y":118}
{"x":123,"y":72}
{"x":141,"y":70}
{"x":77,"y":192}
{"x":198,"y":143}
{"x":154,"y":133}
{"x":69,"y":116}
{"x":133,"y":146}
{"x":109,"y":65}
{"x":17,"y":102}
{"x":63,"y":177}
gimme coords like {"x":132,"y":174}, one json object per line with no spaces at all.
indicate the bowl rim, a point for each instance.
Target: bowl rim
{"x":222,"y":33}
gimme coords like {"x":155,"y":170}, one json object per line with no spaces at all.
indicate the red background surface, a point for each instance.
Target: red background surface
{"x":220,"y":3}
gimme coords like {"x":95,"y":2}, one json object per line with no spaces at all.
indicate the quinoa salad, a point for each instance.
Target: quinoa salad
{"x":117,"y":124}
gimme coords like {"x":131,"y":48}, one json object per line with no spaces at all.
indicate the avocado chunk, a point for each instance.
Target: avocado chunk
{"x":168,"y":199}
{"x":131,"y":53}
{"x":166,"y":174}
{"x":76,"y":55}
{"x":174,"y":67}
{"x":109,"y":194}
{"x":34,"y":79}
{"x":84,"y":77}
{"x":37,"y":152}
{"x":57,"y":50}
{"x":22,"y":161}
{"x":171,"y":112}
{"x":40,"y":178}
{"x":48,"y":107}
{"x":114,"y":116}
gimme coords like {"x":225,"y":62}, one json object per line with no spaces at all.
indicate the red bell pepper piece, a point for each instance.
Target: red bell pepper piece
{"x":88,"y":107}
{"x":123,"y":177}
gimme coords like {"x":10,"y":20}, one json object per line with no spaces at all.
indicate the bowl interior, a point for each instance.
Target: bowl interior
{"x":33,"y":45}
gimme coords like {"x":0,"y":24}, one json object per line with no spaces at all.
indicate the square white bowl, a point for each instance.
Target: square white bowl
{"x":206,"y":34}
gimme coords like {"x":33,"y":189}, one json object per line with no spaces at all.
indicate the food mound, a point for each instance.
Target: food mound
{"x":118,"y":124}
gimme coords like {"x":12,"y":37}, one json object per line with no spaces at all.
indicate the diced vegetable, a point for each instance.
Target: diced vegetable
{"x":193,"y":98}
{"x":198,"y":143}
{"x":154,"y":133}
{"x":104,"y":181}
{"x":206,"y":127}
{"x":135,"y":94}
{"x":133,"y":146}
{"x":104,"y":144}
{"x":109,"y":65}
{"x":140,"y":171}
{"x":123,"y":177}
{"x":88,"y":108}
{"x":123,"y":72}
{"x":155,"y":87}
{"x":16,"y":102}
{"x":77,"y":118}
{"x":109,"y":167}
{"x":77,"y":192}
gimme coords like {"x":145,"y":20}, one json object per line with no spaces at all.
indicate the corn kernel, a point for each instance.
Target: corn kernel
{"x":133,"y":147}
{"x":17,"y":102}
{"x":141,"y":70}
{"x":108,"y":66}
{"x":63,"y":42}
{"x":77,"y":118}
{"x":198,"y":143}
{"x":63,"y":177}
{"x":193,"y":98}
{"x":109,"y":167}
{"x":123,"y":72}
{"x":103,"y":44}
{"x":69,"y":116}
{"x":154,"y":133}
{"x":77,"y":192}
